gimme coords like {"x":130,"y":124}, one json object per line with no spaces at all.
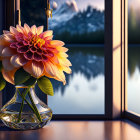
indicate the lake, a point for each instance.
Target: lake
{"x":133,"y":84}
{"x":84,"y":92}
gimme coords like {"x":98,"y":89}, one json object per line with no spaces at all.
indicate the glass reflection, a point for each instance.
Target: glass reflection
{"x":133,"y":56}
{"x":84,"y":92}
{"x":134,"y":79}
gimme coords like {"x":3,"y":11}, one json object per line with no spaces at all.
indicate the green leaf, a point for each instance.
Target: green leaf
{"x":30,"y":81}
{"x":21,"y":76}
{"x":0,"y":66}
{"x":45,"y":85}
{"x":2,"y":82}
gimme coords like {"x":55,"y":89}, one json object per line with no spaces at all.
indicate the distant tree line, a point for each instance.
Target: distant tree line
{"x":32,"y":12}
{"x":84,"y":38}
{"x":133,"y":27}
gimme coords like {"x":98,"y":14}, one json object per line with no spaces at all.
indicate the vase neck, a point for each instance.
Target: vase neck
{"x":24,"y":91}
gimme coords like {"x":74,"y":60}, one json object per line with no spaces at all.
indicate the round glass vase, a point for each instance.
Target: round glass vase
{"x":25,"y":110}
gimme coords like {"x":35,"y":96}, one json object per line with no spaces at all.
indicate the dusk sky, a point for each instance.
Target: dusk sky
{"x":82,"y":4}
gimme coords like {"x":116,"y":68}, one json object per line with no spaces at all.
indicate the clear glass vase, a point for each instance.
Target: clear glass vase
{"x":25,"y":110}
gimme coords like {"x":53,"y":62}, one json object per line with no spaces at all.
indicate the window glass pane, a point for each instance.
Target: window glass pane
{"x":80,"y":24}
{"x":134,"y":56}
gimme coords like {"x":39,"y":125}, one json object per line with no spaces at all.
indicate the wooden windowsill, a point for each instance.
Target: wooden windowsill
{"x":77,"y":130}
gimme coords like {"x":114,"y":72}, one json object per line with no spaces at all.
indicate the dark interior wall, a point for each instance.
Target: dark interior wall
{"x":2,"y":15}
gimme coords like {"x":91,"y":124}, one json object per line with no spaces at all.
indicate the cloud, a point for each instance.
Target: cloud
{"x":55,"y":5}
{"x":73,"y":4}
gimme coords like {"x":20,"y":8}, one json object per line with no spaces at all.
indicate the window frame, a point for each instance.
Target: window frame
{"x":116,"y":48}
{"x":125,"y":113}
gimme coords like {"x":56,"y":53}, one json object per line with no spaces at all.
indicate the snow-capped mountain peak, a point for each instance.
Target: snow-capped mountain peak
{"x":73,"y":5}
{"x":64,"y":13}
{"x":66,"y":19}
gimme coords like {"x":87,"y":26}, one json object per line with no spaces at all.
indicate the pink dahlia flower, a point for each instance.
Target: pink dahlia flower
{"x":35,"y":51}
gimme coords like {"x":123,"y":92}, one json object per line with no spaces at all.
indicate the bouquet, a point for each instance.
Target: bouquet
{"x":28,"y":56}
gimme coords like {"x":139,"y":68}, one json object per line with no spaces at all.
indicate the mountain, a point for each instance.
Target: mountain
{"x":63,"y":14}
{"x":68,"y":19}
{"x":133,"y":25}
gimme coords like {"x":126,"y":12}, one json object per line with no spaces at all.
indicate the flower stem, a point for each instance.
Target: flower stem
{"x":34,"y":106}
{"x":30,"y":106}
{"x":22,"y":104}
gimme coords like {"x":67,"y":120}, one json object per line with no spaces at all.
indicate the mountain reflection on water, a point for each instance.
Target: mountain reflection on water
{"x":133,"y":95}
{"x":86,"y":61}
{"x":84,"y":91}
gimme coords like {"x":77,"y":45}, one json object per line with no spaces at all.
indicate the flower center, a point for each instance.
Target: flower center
{"x":37,"y":40}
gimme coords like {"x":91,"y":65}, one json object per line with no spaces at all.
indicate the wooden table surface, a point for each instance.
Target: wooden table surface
{"x":77,"y":130}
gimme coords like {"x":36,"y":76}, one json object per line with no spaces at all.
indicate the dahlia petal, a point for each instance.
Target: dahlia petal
{"x":30,"y":34}
{"x":65,"y":62}
{"x":67,"y":70}
{"x":54,"y":60}
{"x":20,"y":29}
{"x":25,"y":43}
{"x":7,"y":64}
{"x":8,"y":51}
{"x":56,"y":43}
{"x":18,"y":61}
{"x":50,"y":69}
{"x":19,"y":45}
{"x":50,"y":54}
{"x":6,"y":32}
{"x":27,"y":28}
{"x":48,"y":38}
{"x":3,"y":41}
{"x":60,"y":77}
{"x":46,"y":74}
{"x":47,"y":33}
{"x":52,"y":49}
{"x":9,"y":37}
{"x":37,"y":57}
{"x":28,"y":55}
{"x":1,"y":49}
{"x":44,"y":58}
{"x":62,"y":54}
{"x":13,"y":30}
{"x":39,"y":51}
{"x":40,"y":30}
{"x":9,"y":75}
{"x":33,"y":49}
{"x":22,"y":49}
{"x":13,"y":45}
{"x":19,"y":37}
{"x":62,"y":49}
{"x":3,"y":44}
{"x":36,"y":69}
{"x":34,"y":29}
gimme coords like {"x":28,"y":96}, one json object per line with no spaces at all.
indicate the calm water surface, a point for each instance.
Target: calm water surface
{"x":134,"y":79}
{"x":84,"y":91}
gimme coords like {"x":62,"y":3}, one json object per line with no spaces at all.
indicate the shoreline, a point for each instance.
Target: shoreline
{"x":96,"y":45}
